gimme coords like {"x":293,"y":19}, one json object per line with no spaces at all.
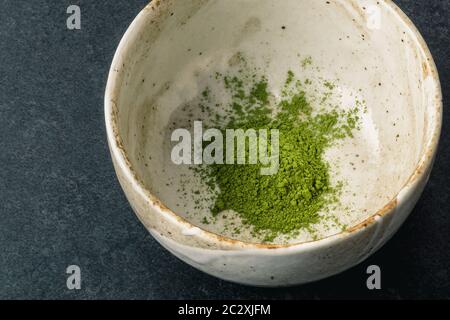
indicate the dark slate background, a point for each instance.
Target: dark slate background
{"x":60,"y":202}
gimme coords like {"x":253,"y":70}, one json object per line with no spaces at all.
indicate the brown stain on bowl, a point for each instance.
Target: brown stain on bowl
{"x":425,"y":69}
{"x":389,"y":207}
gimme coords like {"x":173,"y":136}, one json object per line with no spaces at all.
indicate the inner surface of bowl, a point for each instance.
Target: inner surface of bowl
{"x":369,"y":54}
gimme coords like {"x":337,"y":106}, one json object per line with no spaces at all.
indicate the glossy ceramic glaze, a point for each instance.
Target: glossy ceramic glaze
{"x":369,"y":48}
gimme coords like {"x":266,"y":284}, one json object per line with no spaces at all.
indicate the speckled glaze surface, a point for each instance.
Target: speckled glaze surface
{"x":390,"y":64}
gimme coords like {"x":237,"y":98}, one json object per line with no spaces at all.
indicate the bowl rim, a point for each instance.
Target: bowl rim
{"x":119,"y":153}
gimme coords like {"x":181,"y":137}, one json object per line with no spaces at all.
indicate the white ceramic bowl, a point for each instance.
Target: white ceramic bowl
{"x":373,"y":50}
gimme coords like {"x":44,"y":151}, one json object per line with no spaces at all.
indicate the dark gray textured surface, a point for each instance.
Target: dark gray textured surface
{"x":61,"y":204}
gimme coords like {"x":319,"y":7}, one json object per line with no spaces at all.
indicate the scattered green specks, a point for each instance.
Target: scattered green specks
{"x":293,"y":198}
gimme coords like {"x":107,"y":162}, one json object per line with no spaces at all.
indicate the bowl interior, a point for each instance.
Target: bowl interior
{"x":364,"y":48}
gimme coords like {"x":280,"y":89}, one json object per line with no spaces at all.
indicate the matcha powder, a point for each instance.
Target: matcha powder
{"x":291,"y":199}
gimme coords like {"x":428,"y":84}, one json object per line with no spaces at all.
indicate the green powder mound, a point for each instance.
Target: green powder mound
{"x":291,"y":199}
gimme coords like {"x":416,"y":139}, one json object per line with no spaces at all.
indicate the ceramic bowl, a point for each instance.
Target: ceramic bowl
{"x":370,"y":49}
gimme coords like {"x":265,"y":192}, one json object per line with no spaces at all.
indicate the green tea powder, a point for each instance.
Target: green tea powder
{"x":291,"y":199}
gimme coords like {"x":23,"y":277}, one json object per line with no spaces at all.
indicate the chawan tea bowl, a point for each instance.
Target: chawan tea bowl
{"x":370,"y":48}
